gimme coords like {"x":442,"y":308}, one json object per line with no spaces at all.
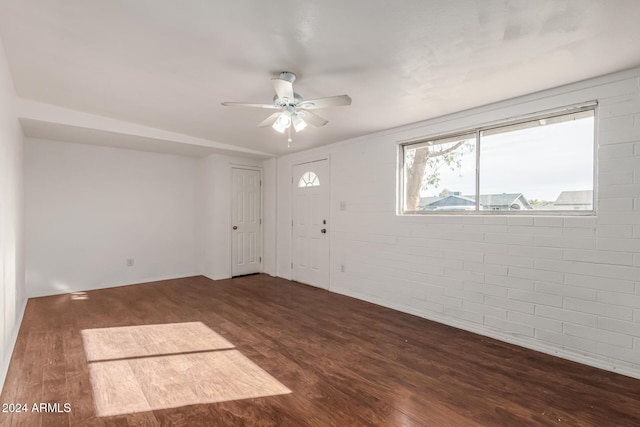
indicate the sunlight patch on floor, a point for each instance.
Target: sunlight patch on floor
{"x":143,"y":368}
{"x":79,"y":296}
{"x":150,"y":340}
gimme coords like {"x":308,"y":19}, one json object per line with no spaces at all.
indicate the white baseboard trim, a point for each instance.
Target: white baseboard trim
{"x":285,"y":276}
{"x":217,"y":277}
{"x":12,"y":344}
{"x":139,"y":281}
{"x":499,"y":335}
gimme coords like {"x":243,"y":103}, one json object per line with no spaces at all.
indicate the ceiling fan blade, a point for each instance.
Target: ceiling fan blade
{"x":269,"y":120}
{"x":283,"y":88}
{"x":330,"y":101}
{"x":246,"y":104}
{"x":312,"y":118}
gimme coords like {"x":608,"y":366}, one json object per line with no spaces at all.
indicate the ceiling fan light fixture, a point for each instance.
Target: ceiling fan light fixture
{"x":282,"y":122}
{"x":291,"y":108}
{"x":298,"y":123}
{"x":276,"y":126}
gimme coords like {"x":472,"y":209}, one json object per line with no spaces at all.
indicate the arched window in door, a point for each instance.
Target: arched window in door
{"x":309,"y":179}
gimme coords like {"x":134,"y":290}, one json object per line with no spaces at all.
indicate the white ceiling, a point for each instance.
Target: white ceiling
{"x":169,"y":64}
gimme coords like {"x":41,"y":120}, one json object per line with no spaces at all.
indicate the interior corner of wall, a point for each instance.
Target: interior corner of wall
{"x":217,"y":276}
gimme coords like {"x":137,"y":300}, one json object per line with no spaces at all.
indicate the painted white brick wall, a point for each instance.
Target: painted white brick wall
{"x":565,"y":285}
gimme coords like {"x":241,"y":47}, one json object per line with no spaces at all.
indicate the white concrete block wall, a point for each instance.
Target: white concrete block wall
{"x":565,"y":285}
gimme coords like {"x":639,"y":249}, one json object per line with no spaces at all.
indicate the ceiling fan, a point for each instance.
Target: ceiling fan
{"x":293,"y":109}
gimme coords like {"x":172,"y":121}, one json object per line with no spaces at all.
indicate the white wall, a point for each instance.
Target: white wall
{"x":12,"y":293}
{"x":270,"y":197}
{"x":90,"y":208}
{"x":214,"y":213}
{"x":563,"y":285}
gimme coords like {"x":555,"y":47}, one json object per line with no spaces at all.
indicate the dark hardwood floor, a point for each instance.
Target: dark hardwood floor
{"x":345,"y":361}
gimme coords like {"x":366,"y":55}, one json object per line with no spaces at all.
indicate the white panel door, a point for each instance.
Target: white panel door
{"x":310,"y":223}
{"x":246,"y":222}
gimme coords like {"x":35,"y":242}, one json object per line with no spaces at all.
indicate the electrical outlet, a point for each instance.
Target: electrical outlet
{"x":129,"y":262}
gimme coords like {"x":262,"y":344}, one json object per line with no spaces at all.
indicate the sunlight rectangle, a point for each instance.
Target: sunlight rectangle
{"x":150,"y":340}
{"x":149,"y":383}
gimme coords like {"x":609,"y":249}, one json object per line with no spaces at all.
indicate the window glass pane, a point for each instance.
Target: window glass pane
{"x":309,"y":179}
{"x":543,"y":164}
{"x":440,"y":174}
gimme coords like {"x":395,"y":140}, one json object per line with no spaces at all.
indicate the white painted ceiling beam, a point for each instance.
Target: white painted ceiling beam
{"x":45,"y":121}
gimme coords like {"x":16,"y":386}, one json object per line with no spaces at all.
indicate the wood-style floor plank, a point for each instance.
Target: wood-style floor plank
{"x":346,"y":362}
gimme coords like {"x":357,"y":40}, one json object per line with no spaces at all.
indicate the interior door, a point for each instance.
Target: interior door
{"x":246,"y":221}
{"x":310,"y":263}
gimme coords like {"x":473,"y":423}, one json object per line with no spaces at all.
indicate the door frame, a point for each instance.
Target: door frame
{"x":292,"y":198}
{"x":258,"y":169}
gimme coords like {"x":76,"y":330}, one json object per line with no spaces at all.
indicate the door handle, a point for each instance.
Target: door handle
{"x":323,"y":231}
{"x":235,"y":227}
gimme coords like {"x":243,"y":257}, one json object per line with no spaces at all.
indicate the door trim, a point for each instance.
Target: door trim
{"x":292,"y":197}
{"x":258,"y":169}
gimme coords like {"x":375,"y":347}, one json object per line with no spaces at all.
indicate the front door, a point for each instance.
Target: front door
{"x":246,"y":222}
{"x":311,"y":223}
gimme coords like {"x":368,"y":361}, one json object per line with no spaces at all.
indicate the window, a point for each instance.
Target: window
{"x":309,"y":179}
{"x":538,"y":164}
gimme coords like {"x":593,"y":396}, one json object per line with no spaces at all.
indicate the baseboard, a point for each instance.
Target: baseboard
{"x":501,"y":336}
{"x":286,"y":277}
{"x":50,"y":292}
{"x":12,"y":344}
{"x":217,"y":277}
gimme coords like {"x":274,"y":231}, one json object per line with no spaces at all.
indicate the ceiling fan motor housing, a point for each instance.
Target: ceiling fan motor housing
{"x":297,"y":98}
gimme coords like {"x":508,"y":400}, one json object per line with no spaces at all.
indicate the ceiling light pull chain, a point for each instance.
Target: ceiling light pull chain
{"x":289,"y":139}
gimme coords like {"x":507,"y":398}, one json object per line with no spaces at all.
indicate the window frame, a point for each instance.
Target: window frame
{"x":477,"y":130}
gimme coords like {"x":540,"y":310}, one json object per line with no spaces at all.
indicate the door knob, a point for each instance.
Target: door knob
{"x":235,"y":227}
{"x":323,"y":231}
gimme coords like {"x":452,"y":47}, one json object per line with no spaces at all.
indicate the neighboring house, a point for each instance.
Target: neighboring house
{"x":493,"y":202}
{"x":452,"y":202}
{"x":504,"y":202}
{"x":574,"y":200}
{"x":426,"y":201}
